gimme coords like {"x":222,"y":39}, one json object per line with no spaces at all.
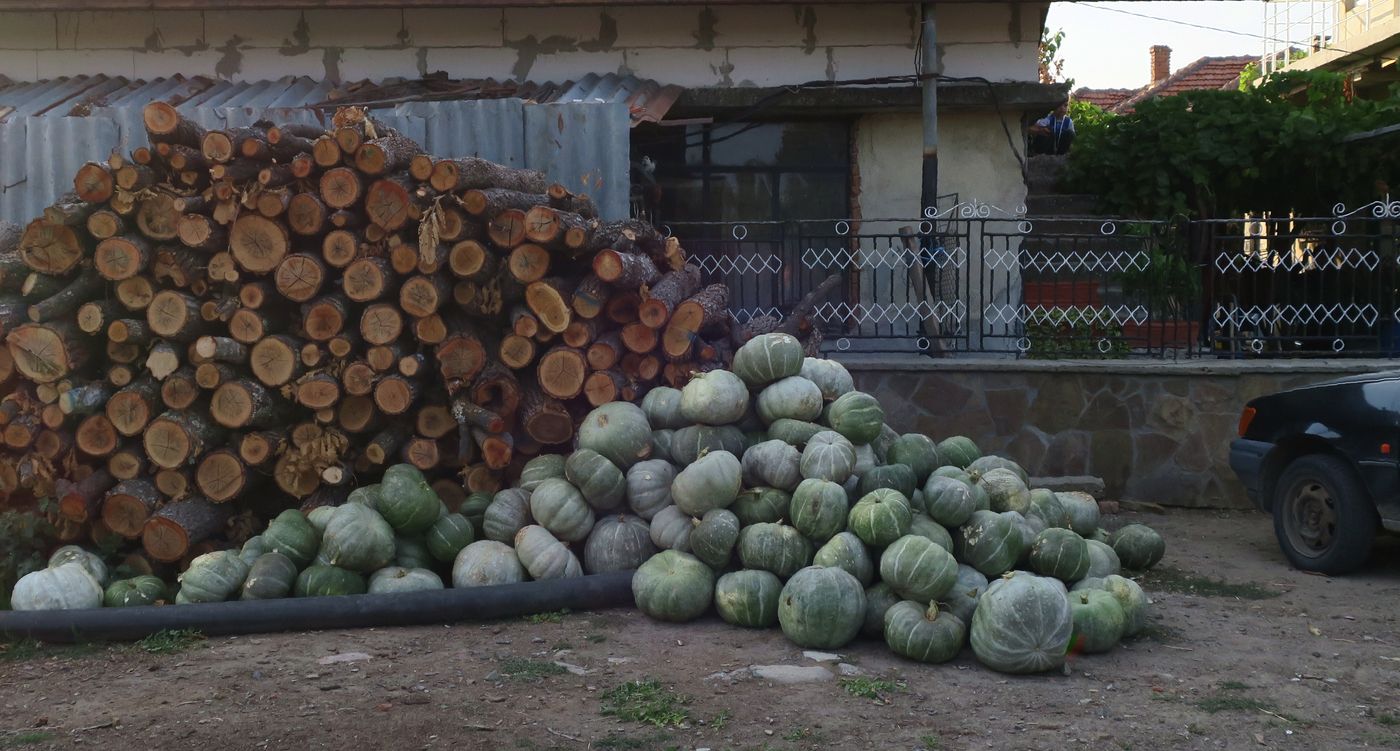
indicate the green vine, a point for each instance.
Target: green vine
{"x":1276,"y":147}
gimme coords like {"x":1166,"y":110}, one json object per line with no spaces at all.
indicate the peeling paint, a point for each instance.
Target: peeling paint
{"x":405,"y":36}
{"x":529,"y":49}
{"x":331,"y":58}
{"x":807,"y":18}
{"x":155,"y":42}
{"x":1013,"y":27}
{"x":300,"y":43}
{"x":422,"y":61}
{"x":831,"y":63}
{"x":607,"y":35}
{"x":705,"y":32}
{"x":230,"y":62}
{"x":726,"y":70}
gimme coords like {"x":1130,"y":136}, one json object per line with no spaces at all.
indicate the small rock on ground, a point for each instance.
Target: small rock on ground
{"x":821,"y":656}
{"x":788,"y":674}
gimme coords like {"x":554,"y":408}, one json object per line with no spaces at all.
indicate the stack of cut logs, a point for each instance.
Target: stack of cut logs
{"x":230,"y":323}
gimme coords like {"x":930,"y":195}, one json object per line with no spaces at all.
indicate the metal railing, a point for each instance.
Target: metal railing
{"x":1294,"y":29}
{"x":974,"y":279}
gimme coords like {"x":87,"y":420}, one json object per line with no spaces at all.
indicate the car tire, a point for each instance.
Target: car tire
{"x":1323,"y":516}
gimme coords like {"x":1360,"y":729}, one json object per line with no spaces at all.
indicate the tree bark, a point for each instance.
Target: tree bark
{"x":131,"y":409}
{"x":86,"y":285}
{"x":128,"y":505}
{"x":545,"y":419}
{"x":625,"y":270}
{"x":454,"y":175}
{"x":171,"y":532}
{"x":662,"y":298}
{"x":386,"y":155}
{"x":178,"y":438}
{"x":81,"y":502}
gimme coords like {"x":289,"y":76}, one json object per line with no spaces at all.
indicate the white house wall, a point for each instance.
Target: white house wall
{"x":686,"y":45}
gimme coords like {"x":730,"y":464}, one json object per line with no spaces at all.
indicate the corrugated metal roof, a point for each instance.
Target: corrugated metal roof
{"x":49,"y":128}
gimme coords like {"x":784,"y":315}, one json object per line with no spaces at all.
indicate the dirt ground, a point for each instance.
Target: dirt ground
{"x":1243,"y":652}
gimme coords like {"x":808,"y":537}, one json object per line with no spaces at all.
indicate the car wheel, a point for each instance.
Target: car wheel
{"x":1323,"y":516}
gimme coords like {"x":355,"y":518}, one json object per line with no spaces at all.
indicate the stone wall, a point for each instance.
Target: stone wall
{"x":1153,"y":431}
{"x":693,"y":45}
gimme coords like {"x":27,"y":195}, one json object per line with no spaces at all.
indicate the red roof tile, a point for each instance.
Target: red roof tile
{"x":1105,"y":98}
{"x":1207,"y":73}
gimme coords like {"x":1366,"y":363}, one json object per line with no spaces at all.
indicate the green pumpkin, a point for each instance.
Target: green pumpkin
{"x":649,"y":487}
{"x":1099,"y":621}
{"x":894,"y":476}
{"x":1045,"y":506}
{"x":560,"y":508}
{"x":1028,"y":529}
{"x":1060,"y":553}
{"x":618,"y":542}
{"x":671,"y":528}
{"x":954,"y":473}
{"x":748,"y":598}
{"x":618,"y":431}
{"x":474,"y":508}
{"x":1102,"y":560}
{"x":792,"y":398}
{"x":1023,"y":624}
{"x":986,"y":464}
{"x":717,"y":397}
{"x":212,"y":577}
{"x":603,"y":485}
{"x":795,"y":433}
{"x":661,"y":441}
{"x":878,"y":600}
{"x":818,"y":509}
{"x":358,"y":539}
{"x":541,"y":468}
{"x":865,"y":460}
{"x":713,"y":538}
{"x":486,"y":563}
{"x":828,"y":456}
{"x":544,"y":556}
{"x":769,"y":357}
{"x":406,"y":501}
{"x":329,"y":581}
{"x":448,"y":536}
{"x":1133,"y":601}
{"x":758,"y":505}
{"x":1006,"y":491}
{"x":508,"y":513}
{"x":673,"y":586}
{"x":271,"y":577}
{"x":67,"y":586}
{"x":712,"y":482}
{"x":662,"y":406}
{"x":135,"y":592}
{"x":881,"y":517}
{"x":774,"y":547}
{"x":694,"y":441}
{"x":918,"y":569}
{"x":830,"y":376}
{"x":916,"y":451}
{"x":958,"y":451}
{"x":412,"y":552}
{"x":1083,"y":512}
{"x":365,"y":495}
{"x":397,"y":579}
{"x":921,"y":632}
{"x":256,"y":546}
{"x":962,"y":599}
{"x":320,"y":518}
{"x":990,"y":543}
{"x":821,"y":608}
{"x":931,"y":530}
{"x":772,"y":464}
{"x":881,"y":443}
{"x":857,"y":416}
{"x":1138,"y":546}
{"x":951,"y":502}
{"x":292,"y":535}
{"x":846,"y":552}
{"x":75,"y":554}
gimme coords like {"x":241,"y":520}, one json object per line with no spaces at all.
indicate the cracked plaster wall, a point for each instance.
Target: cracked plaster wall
{"x":688,"y":45}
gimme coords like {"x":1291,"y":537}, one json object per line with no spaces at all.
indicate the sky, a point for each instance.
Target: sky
{"x":1108,"y":49}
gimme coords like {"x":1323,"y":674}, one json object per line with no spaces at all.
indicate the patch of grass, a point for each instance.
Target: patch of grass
{"x":721,"y":720}
{"x":1388,"y":720}
{"x":646,"y":702}
{"x":559,"y":646}
{"x":1234,"y":686}
{"x":27,"y":738}
{"x":596,"y":638}
{"x":616,"y":741}
{"x":1169,"y":579}
{"x":930,"y":742}
{"x":167,"y":642}
{"x":556,"y":616}
{"x":523,"y":668}
{"x":29,"y":649}
{"x":1214,"y":704}
{"x":878,"y":689}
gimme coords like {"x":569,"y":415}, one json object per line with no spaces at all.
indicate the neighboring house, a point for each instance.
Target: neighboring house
{"x":1358,"y":37}
{"x":839,"y":150}
{"x":1204,"y":74}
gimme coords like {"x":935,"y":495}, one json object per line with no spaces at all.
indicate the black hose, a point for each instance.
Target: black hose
{"x":311,"y":613}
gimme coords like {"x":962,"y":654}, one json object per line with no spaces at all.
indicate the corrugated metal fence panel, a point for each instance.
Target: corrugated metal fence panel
{"x":48,"y":151}
{"x":491,"y":129}
{"x":584,"y":146}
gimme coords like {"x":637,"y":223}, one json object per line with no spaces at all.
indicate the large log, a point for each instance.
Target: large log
{"x":131,"y":409}
{"x":625,"y":270}
{"x":177,"y":438}
{"x":243,"y":403}
{"x":46,"y":352}
{"x":496,"y":389}
{"x":81,"y":501}
{"x":549,"y":299}
{"x":562,"y":371}
{"x":704,"y":310}
{"x":171,"y":532}
{"x":383,"y":156}
{"x":668,"y":292}
{"x":545,"y":419}
{"x":276,"y":359}
{"x":49,"y":248}
{"x":454,"y":175}
{"x":221,"y":476}
{"x":129,"y":505}
{"x":83,"y":287}
{"x":258,"y":244}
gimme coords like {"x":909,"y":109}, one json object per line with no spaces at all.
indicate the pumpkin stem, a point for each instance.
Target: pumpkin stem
{"x":931,"y":614}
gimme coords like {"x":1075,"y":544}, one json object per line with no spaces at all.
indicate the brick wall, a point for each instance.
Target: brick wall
{"x":687,"y":45}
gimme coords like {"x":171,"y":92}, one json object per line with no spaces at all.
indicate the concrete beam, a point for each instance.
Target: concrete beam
{"x":959,"y":95}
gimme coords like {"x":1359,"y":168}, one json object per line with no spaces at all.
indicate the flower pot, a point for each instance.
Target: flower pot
{"x":1163,"y":334}
{"x":1060,"y":294}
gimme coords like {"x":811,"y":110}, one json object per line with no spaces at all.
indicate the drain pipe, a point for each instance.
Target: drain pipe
{"x":928,"y":68}
{"x":312,"y":613}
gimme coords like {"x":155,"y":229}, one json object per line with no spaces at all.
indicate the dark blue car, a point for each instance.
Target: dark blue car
{"x":1324,"y":460}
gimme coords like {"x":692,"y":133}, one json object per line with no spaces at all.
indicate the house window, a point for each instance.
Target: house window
{"x":749,"y":172}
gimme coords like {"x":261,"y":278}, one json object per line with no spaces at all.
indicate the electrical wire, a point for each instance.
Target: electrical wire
{"x":1204,"y":27}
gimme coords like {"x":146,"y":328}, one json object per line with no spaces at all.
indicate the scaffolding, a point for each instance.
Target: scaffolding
{"x":1296,"y":29}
